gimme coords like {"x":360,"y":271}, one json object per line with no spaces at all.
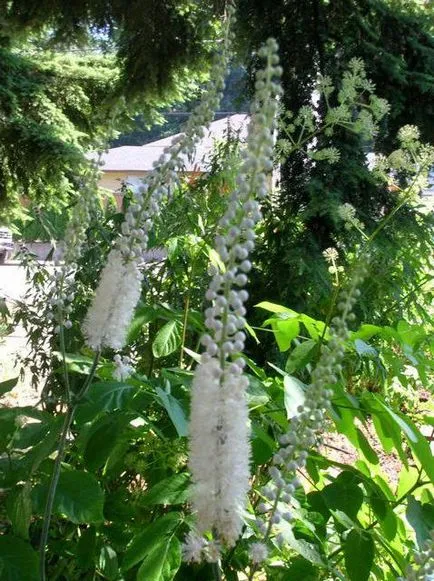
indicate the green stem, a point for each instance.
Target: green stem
{"x":64,"y":366}
{"x":217,"y":571}
{"x":61,"y":448}
{"x":186,"y":312}
{"x":268,"y":531}
{"x":52,"y":490}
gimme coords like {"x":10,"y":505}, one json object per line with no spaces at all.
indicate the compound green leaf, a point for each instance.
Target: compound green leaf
{"x":172,"y":490}
{"x":163,"y":562}
{"x":152,"y":536}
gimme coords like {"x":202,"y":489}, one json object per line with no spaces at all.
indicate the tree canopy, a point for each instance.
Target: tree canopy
{"x":395,"y":41}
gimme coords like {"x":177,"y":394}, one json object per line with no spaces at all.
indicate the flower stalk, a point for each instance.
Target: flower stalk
{"x":219,"y":427}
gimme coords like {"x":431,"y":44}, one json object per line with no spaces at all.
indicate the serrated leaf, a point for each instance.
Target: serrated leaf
{"x":300,"y":356}
{"x":105,"y":396}
{"x":144,"y":543}
{"x":143,"y":316}
{"x":344,"y":496}
{"x":168,"y":339}
{"x":162,"y":563}
{"x":172,"y":490}
{"x":359,"y":550}
{"x":104,"y":436}
{"x":18,"y":561}
{"x":302,"y":547}
{"x":78,"y":497}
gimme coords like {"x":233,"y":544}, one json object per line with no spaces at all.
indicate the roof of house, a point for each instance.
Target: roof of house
{"x":141,"y":157}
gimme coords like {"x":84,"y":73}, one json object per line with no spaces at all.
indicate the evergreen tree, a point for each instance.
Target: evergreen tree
{"x":67,"y":67}
{"x":316,"y":36}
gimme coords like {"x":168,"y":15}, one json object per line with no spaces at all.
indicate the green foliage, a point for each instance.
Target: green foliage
{"x":121,"y":506}
{"x":153,"y":47}
{"x":51,"y":109}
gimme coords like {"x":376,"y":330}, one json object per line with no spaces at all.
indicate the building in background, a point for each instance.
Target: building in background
{"x":129,"y":163}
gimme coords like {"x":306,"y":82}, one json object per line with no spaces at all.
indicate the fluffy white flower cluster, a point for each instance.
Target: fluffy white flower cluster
{"x":425,"y":564}
{"x":219,"y":429}
{"x":304,"y":428}
{"x":116,"y":297}
{"x":107,"y":322}
{"x":219,"y":450}
{"x":408,"y":134}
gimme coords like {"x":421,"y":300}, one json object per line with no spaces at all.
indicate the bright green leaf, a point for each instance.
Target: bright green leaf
{"x":285,"y":330}
{"x":273,"y":308}
{"x":168,"y":339}
{"x":145,"y":542}
{"x":175,"y":411}
{"x":162,"y":563}
{"x":172,"y":490}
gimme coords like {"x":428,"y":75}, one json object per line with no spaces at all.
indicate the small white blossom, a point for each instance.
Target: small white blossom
{"x":123,"y":369}
{"x":408,"y":133}
{"x":331,"y":254}
{"x":192,"y":548}
{"x":258,"y":552}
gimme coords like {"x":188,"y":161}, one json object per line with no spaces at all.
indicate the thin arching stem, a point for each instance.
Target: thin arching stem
{"x":61,"y":448}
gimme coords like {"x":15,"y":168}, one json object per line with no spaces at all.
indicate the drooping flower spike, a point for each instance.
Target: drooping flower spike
{"x":112,"y":308}
{"x":219,"y":427}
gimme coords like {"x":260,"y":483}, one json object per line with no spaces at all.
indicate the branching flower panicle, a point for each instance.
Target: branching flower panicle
{"x":219,"y":431}
{"x":106,"y":323}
